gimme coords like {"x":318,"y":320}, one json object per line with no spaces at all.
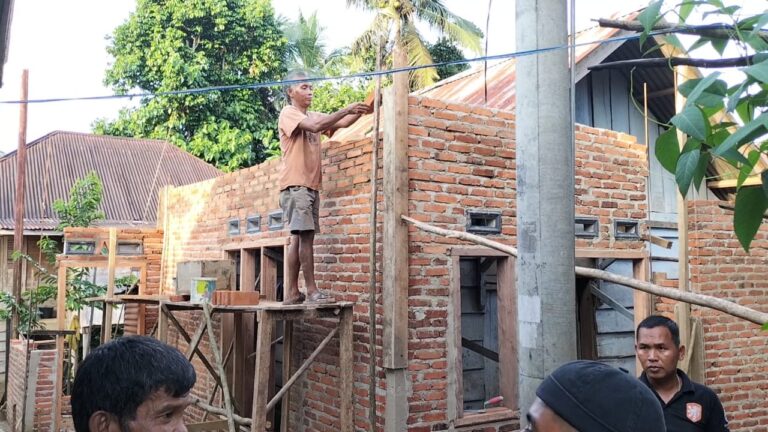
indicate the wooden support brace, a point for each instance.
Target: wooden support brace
{"x":216,"y":387}
{"x":288,"y":353}
{"x":307,"y":363}
{"x":220,"y":365}
{"x":176,"y":324}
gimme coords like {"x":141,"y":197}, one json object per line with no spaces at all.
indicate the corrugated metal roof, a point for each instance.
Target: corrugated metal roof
{"x":131,"y":170}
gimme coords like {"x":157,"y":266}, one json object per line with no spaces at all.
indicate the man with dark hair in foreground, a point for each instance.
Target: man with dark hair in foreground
{"x":134,"y":383}
{"x":587,"y":396}
{"x":687,"y":405}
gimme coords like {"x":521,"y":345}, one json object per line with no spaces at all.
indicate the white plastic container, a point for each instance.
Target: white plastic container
{"x":202,"y":289}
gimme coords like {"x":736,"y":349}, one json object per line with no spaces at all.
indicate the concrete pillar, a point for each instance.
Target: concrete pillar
{"x":545,"y":197}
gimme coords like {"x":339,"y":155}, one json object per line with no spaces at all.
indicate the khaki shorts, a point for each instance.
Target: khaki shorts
{"x":301,"y":209}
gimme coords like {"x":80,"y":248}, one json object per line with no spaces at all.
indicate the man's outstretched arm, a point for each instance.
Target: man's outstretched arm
{"x":341,"y":118}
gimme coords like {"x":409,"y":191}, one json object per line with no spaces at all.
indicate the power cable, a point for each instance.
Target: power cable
{"x":282,"y":83}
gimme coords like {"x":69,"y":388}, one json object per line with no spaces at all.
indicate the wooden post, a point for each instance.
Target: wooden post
{"x":21,"y":173}
{"x":346,"y":370}
{"x":395,"y":248}
{"x":683,"y":312}
{"x":395,"y":265}
{"x":643,"y":302}
{"x":106,"y":321}
{"x":288,"y":352}
{"x":263,"y":368}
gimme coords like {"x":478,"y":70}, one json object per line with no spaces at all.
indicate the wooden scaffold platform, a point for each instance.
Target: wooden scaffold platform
{"x":267,"y":313}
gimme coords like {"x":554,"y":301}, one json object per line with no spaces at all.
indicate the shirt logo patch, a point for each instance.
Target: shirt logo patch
{"x":693,"y":411}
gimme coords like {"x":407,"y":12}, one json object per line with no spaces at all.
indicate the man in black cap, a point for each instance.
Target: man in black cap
{"x":587,"y":396}
{"x":688,"y":406}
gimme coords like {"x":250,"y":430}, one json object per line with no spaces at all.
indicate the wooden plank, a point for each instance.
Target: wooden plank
{"x":248,"y":262}
{"x":395,"y":250}
{"x":3,"y":263}
{"x":753,"y":180}
{"x":106,"y":323}
{"x":507,"y":316}
{"x":453,"y":339}
{"x":288,"y":353}
{"x":611,"y":253}
{"x":263,"y":368}
{"x":214,"y":425}
{"x":256,"y":244}
{"x":346,"y":367}
{"x":268,"y":277}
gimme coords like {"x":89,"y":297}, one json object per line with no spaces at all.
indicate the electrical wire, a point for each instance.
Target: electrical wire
{"x":360,"y":75}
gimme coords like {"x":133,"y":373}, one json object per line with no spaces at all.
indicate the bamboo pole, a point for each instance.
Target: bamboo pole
{"x":372,"y":246}
{"x":711,"y":302}
{"x":220,"y":366}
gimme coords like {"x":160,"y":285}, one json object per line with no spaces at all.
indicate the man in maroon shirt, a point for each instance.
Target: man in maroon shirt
{"x":301,"y":179}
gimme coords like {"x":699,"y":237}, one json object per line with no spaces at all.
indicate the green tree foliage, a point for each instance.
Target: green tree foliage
{"x":395,"y":20}
{"x":446,"y":51}
{"x":707,"y":136}
{"x":169,"y":45}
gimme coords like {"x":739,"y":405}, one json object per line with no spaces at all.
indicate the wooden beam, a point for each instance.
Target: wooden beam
{"x":681,"y":74}
{"x":288,"y":362}
{"x":752,"y":180}
{"x":395,"y":248}
{"x":106,"y":322}
{"x":21,"y":174}
{"x":642,"y":301}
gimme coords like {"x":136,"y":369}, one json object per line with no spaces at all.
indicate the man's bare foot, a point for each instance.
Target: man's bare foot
{"x":319,"y":297}
{"x":294,"y":300}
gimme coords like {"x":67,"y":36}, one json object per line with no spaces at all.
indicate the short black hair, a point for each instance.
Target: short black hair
{"x":120,"y":375}
{"x":654,"y":321}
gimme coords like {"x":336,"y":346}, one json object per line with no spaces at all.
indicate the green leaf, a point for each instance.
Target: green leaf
{"x":747,"y":168}
{"x":734,"y":157}
{"x":744,"y":134}
{"x":686,"y":7}
{"x":765,"y":326}
{"x":687,"y":168}
{"x":758,"y":71}
{"x":692,"y":121}
{"x":761,"y":22}
{"x":719,"y":45}
{"x":745,"y":109}
{"x":668,"y":149}
{"x":751,"y":204}
{"x":718,"y":87}
{"x":698,"y":44}
{"x":701,"y":169}
{"x":735,"y":97}
{"x":675,"y":42}
{"x":764,"y":182}
{"x":648,"y":17}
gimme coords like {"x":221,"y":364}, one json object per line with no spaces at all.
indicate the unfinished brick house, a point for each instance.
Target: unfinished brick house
{"x":461,"y":300}
{"x":452,"y":344}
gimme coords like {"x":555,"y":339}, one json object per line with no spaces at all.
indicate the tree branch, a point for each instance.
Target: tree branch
{"x":714,"y":31}
{"x":719,"y":304}
{"x":676,"y":61}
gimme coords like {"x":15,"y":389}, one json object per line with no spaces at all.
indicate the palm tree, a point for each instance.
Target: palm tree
{"x":395,"y":21}
{"x":307,"y":50}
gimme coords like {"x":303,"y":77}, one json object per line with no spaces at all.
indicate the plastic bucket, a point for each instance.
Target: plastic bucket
{"x":202,"y":289}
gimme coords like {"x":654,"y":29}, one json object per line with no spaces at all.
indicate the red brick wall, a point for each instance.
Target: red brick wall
{"x":736,"y":353}
{"x":44,"y":377}
{"x":460,"y":157}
